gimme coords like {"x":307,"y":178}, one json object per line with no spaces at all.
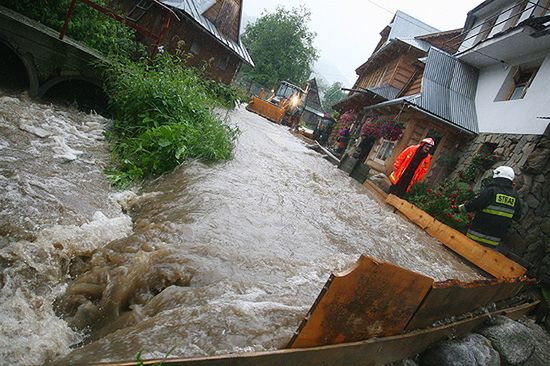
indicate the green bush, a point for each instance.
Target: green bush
{"x":162,"y":116}
{"x":87,"y":25}
{"x":442,"y":203}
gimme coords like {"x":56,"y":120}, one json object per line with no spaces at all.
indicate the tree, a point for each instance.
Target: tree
{"x":332,"y":95}
{"x":281,"y":46}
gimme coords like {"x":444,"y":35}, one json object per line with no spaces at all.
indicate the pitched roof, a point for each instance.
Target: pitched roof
{"x":313,"y":98}
{"x":406,"y":28}
{"x":448,"y":91}
{"x":403,"y":30}
{"x":195,"y":9}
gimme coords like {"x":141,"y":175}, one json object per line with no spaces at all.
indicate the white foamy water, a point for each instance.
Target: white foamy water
{"x":220,"y":258}
{"x":54,"y":204}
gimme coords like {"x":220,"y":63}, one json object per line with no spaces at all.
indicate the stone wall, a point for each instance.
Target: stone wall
{"x":529,"y":156}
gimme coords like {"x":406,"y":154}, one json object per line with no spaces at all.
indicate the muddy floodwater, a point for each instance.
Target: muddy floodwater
{"x":209,"y":259}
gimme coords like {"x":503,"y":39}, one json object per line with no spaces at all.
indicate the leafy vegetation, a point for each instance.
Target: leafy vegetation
{"x":388,"y":129}
{"x":87,"y":25}
{"x":163,"y":112}
{"x":332,"y":95}
{"x":282,"y":47}
{"x":162,"y":116}
{"x":442,"y":203}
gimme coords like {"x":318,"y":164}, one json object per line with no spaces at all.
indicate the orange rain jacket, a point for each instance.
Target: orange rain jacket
{"x":403,"y":161}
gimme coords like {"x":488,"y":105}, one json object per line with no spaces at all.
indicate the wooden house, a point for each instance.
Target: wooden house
{"x":409,"y":80}
{"x":480,"y":93}
{"x":313,"y":111}
{"x":205,"y":32}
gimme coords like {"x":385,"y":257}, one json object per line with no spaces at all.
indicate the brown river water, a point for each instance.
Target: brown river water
{"x":207,"y":260}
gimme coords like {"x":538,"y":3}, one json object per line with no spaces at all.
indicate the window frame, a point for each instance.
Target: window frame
{"x":384,"y":142}
{"x":195,"y":48}
{"x":516,"y":81}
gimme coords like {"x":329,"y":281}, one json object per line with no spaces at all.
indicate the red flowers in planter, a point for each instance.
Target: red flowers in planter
{"x":389,"y":130}
{"x":443,"y":203}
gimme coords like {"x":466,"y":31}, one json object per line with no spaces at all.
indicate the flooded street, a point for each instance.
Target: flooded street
{"x":209,"y":259}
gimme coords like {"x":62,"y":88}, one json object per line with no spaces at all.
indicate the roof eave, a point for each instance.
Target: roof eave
{"x":410,"y":104}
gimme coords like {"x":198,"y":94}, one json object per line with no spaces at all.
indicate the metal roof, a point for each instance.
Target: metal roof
{"x":194,"y":9}
{"x":405,"y":27}
{"x":386,"y":91}
{"x":448,"y":90}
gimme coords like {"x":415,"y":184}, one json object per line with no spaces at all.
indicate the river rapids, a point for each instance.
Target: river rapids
{"x":209,"y":259}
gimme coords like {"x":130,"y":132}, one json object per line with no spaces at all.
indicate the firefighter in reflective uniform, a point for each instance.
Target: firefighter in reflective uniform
{"x":494,"y":208}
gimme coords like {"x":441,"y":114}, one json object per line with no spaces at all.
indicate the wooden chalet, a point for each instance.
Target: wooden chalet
{"x":207,"y":32}
{"x":410,"y":78}
{"x":313,"y":111}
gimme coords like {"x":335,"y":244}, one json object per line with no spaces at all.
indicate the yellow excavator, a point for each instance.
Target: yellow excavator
{"x":283,"y":106}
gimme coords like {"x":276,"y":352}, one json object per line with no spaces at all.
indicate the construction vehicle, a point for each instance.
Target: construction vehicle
{"x":282,"y":107}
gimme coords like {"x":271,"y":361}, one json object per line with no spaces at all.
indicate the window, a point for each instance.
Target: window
{"x":381,"y":78}
{"x":542,"y":9}
{"x":195,"y":48}
{"x":517,"y":12}
{"x":485,"y":29}
{"x":385,"y":150}
{"x":522,"y":79}
{"x":223,"y":63}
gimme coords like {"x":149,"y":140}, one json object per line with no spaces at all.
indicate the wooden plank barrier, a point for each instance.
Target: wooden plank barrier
{"x":377,"y":299}
{"x":372,"y":352}
{"x":489,"y":260}
{"x":266,"y":109}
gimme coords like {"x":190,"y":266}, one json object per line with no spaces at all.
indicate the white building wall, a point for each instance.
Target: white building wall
{"x":513,"y":116}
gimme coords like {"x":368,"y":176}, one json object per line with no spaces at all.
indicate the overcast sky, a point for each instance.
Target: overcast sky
{"x":348,"y":30}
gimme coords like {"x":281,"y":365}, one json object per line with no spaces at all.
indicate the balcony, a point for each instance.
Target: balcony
{"x":504,"y":33}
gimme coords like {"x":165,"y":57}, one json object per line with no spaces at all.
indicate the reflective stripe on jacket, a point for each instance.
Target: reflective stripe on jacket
{"x":403,"y":161}
{"x":495,"y":207}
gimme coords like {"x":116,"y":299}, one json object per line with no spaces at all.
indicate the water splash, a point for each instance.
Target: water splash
{"x":219,"y":258}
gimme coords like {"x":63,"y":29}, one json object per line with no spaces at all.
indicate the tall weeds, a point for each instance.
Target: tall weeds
{"x":162,"y":116}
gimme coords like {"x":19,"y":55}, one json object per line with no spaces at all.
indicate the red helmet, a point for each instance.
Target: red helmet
{"x":428,"y":141}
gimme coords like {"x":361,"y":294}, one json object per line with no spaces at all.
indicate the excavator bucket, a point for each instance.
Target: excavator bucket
{"x":266,"y":109}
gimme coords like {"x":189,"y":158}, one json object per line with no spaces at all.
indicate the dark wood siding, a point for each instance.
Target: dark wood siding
{"x":221,"y":63}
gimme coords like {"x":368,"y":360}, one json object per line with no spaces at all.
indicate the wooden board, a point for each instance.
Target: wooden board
{"x":377,"y":191}
{"x":371,"y":299}
{"x":491,"y":261}
{"x":377,"y":351}
{"x":454,"y":297}
{"x":266,"y":109}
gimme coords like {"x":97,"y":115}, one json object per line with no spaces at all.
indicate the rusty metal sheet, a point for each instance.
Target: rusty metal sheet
{"x":377,"y":351}
{"x":372,"y":299}
{"x":450,"y":298}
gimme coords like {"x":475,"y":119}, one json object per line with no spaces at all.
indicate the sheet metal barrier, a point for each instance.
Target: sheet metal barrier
{"x":377,"y":299}
{"x":372,"y":299}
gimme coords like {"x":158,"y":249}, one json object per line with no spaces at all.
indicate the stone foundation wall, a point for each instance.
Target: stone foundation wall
{"x":529,"y":156}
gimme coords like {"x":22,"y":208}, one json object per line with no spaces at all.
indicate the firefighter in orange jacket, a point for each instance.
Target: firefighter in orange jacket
{"x":411,"y":166}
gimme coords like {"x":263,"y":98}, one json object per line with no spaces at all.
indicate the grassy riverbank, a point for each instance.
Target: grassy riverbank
{"x":163,"y":110}
{"x":163,"y":114}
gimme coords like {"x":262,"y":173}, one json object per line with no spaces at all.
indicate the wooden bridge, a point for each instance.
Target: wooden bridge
{"x":48,"y":61}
